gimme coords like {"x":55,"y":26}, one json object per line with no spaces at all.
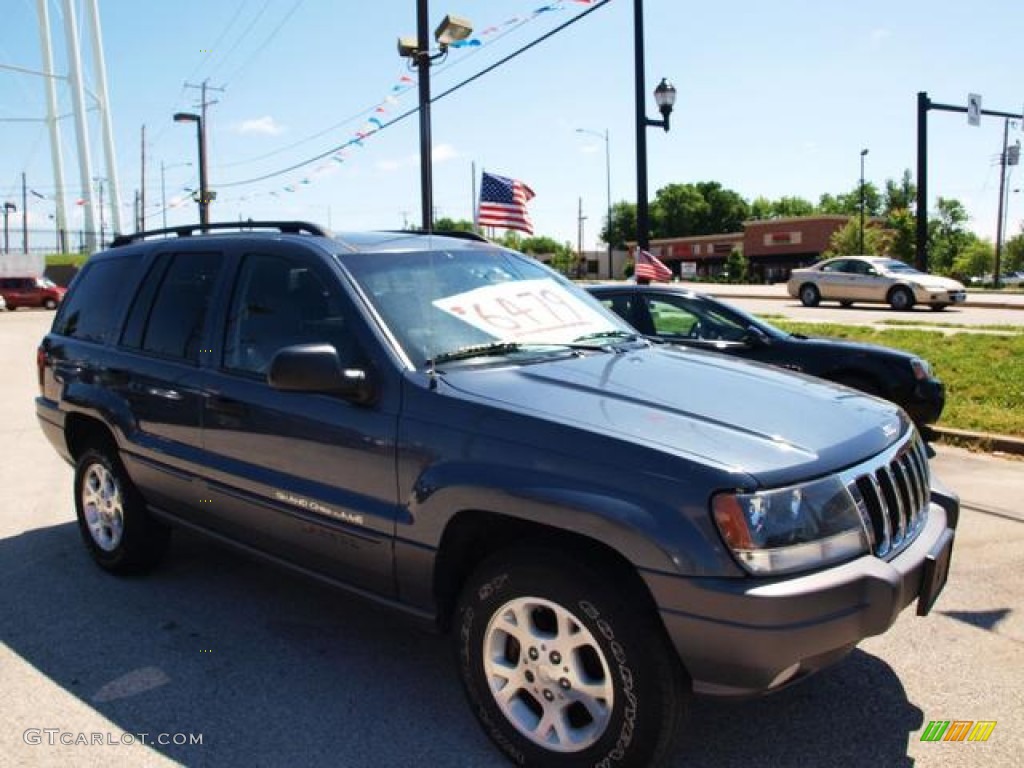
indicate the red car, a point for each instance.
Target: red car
{"x":31,"y":292}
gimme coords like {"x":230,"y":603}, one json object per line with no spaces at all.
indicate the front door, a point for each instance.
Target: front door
{"x":307,"y":477}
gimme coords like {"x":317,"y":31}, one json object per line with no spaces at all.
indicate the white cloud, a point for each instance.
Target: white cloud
{"x":880,"y":35}
{"x":443,"y":153}
{"x":265,"y":125}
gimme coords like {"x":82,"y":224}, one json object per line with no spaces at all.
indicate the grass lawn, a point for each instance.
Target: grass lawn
{"x":983,"y":372}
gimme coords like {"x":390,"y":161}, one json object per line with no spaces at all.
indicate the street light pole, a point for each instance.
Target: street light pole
{"x":608,"y":182}
{"x":8,"y":207}
{"x":665,"y":96}
{"x":204,"y":192}
{"x":863,"y":152}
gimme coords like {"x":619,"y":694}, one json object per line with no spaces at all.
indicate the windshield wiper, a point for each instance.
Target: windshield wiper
{"x":624,"y":335}
{"x":493,"y":349}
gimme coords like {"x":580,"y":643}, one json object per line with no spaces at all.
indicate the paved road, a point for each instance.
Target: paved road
{"x":270,"y":669}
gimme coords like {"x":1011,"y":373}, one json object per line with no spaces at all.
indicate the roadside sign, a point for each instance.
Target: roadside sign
{"x":974,"y":109}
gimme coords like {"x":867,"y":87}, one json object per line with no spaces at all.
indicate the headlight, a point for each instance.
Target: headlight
{"x":921,"y":368}
{"x":791,"y":529}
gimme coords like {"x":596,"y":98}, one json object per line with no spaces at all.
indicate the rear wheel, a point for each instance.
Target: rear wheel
{"x":901,"y":299}
{"x":563,"y":667}
{"x":50,"y":304}
{"x":809,"y":295}
{"x":118,"y":530}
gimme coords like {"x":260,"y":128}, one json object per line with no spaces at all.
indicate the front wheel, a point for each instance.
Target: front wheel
{"x":901,"y":299}
{"x":118,"y":530}
{"x":563,"y":667}
{"x":809,"y":295}
{"x":50,"y":304}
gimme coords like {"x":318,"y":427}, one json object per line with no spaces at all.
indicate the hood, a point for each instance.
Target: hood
{"x":930,"y":281}
{"x":776,"y":426}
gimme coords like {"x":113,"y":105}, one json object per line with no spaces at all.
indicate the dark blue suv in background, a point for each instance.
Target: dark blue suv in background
{"x":448,"y":427}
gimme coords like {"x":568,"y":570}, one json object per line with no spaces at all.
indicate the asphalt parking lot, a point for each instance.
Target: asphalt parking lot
{"x":269,"y":669}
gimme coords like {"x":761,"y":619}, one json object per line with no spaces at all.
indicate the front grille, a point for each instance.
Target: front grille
{"x":892,"y":494}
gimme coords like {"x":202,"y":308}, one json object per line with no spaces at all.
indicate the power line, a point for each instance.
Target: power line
{"x":414,"y":110}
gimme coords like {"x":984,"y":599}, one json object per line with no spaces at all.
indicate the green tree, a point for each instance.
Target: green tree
{"x":848,"y":204}
{"x":727,"y":210}
{"x":899,"y":195}
{"x":783,"y":208}
{"x":948,"y":235}
{"x":446,"y":224}
{"x":977,"y":258}
{"x":736,"y":265}
{"x":623,"y":226}
{"x":678,"y":210}
{"x":846,"y":241}
{"x":903,"y":226}
{"x":1012,"y":257}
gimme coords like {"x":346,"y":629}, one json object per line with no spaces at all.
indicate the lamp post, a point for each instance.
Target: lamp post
{"x":665,"y":98}
{"x":608,"y":182}
{"x":204,"y":192}
{"x":417,"y":50}
{"x":8,"y":208}
{"x":860,"y":241}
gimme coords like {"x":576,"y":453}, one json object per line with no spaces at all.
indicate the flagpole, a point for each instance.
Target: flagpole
{"x":473,"y":203}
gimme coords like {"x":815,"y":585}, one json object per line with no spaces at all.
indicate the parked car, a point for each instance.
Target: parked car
{"x":31,"y":292}
{"x":452,"y":429}
{"x":680,"y":316}
{"x":873,"y":279}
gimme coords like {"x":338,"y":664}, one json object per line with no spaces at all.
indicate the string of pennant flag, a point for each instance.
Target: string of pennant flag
{"x":382,"y":112}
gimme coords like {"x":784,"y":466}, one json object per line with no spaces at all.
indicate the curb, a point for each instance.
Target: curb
{"x":983,"y":441}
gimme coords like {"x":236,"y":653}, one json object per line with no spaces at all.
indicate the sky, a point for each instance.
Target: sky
{"x":773,"y":99}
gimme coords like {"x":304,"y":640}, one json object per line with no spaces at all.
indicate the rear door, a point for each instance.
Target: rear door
{"x":159,"y":376}
{"x":303,"y":476}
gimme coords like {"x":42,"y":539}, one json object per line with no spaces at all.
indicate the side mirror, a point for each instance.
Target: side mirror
{"x":755,"y":337}
{"x":317,"y":368}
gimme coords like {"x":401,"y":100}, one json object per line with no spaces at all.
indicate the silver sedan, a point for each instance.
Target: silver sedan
{"x":873,"y":279}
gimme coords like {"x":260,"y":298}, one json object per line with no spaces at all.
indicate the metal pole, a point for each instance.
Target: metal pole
{"x":1002,"y":193}
{"x":81,"y":123}
{"x":921,"y":246}
{"x":56,"y":153}
{"x":642,"y":210}
{"x":103,"y":102}
{"x":163,"y":194}
{"x":861,"y":240}
{"x":608,"y":182}
{"x":142,"y":184}
{"x":24,"y":214}
{"x":204,"y":191}
{"x":423,"y":67}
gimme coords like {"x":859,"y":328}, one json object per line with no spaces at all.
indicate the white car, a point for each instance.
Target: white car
{"x":873,"y":279}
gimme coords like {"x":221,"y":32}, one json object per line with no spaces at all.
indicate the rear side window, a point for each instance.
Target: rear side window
{"x":94,"y":305}
{"x":169,"y":313}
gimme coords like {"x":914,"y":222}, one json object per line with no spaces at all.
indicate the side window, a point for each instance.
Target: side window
{"x":620,"y":304}
{"x":670,"y":320}
{"x":94,"y":305}
{"x":835,"y":266}
{"x":278,"y":302}
{"x":169,"y":313}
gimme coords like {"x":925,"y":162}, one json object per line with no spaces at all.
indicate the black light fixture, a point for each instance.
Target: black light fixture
{"x":204,"y":197}
{"x":417,"y":49}
{"x":665,"y":98}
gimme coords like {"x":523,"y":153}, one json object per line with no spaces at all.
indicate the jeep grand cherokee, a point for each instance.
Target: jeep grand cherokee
{"x":604,"y":525}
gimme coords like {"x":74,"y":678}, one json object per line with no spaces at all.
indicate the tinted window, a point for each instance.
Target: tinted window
{"x":173,"y":325}
{"x":278,"y":302}
{"x":93,"y":307}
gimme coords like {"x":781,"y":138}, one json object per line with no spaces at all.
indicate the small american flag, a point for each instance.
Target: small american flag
{"x":503,"y":203}
{"x":649,"y":268}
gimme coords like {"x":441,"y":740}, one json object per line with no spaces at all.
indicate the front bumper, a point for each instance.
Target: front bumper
{"x":744,"y":636}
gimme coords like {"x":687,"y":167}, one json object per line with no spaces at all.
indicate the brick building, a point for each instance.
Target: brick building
{"x":772,"y":247}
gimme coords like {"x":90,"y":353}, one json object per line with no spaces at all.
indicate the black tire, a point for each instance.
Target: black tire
{"x":117,"y":528}
{"x":901,"y":299}
{"x":619,"y":648}
{"x":809,"y":295}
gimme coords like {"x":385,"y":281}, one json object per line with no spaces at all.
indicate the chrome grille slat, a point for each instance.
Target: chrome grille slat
{"x":893,"y":495}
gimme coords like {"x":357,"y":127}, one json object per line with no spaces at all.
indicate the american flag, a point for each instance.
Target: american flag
{"x":503,"y":203}
{"x":649,"y":268}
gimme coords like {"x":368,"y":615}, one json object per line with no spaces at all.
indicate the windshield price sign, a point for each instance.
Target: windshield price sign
{"x":537,"y":310}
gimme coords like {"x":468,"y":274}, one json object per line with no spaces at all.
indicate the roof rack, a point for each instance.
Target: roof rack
{"x":187,"y":230}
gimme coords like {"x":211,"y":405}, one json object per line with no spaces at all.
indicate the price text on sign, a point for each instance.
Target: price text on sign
{"x":539,"y":309}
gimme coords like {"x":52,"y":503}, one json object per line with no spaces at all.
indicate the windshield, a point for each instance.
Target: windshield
{"x":440,"y":303}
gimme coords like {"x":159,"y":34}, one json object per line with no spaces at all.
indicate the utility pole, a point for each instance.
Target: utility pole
{"x":204,"y":182}
{"x":579,"y":238}
{"x":1004,"y":160}
{"x":24,"y":214}
{"x":141,"y":220}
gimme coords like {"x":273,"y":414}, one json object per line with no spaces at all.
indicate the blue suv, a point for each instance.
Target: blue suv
{"x":602,"y":524}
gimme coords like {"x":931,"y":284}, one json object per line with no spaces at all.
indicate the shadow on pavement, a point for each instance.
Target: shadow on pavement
{"x":272,"y":669}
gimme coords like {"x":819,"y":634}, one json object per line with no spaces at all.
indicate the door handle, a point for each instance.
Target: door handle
{"x":166,"y":394}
